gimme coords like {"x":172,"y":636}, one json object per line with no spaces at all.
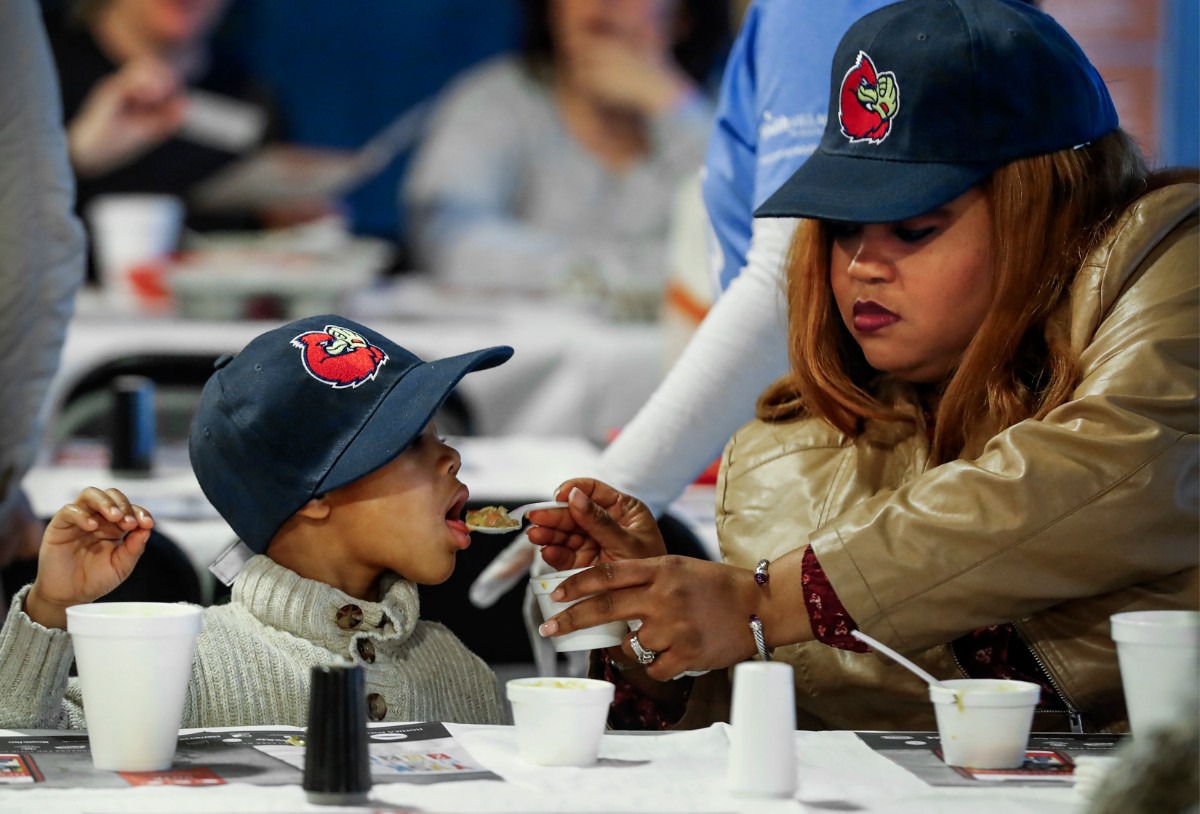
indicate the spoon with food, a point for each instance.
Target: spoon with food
{"x":499,"y":520}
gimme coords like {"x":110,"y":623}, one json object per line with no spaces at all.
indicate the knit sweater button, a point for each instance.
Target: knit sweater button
{"x":366,"y":649}
{"x":376,"y":707}
{"x":349,"y":617}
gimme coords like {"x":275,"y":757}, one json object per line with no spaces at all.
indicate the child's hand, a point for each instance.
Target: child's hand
{"x":89,"y":548}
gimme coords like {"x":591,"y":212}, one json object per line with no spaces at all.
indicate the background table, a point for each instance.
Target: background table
{"x":572,"y":373}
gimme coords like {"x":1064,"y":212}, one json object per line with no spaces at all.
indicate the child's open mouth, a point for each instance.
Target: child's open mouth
{"x":454,"y":518}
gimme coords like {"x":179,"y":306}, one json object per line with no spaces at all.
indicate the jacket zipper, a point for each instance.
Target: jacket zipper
{"x":1074,"y":716}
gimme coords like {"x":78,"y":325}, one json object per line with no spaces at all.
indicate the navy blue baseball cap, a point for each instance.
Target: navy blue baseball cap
{"x":929,"y":97}
{"x":307,"y":408}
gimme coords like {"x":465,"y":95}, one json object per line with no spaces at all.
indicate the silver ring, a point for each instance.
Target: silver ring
{"x":644,"y":656}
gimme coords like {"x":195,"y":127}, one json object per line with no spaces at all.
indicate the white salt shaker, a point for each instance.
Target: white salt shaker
{"x":762,"y":750}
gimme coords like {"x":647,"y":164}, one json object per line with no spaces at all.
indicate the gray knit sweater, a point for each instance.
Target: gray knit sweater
{"x":254,"y":657}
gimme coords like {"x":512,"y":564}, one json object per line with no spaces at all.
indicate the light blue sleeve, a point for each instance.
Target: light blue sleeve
{"x":771,"y":113}
{"x":727,"y":182}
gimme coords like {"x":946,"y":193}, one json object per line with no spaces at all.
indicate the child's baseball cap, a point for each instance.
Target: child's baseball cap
{"x":310,"y":407}
{"x":929,"y":97}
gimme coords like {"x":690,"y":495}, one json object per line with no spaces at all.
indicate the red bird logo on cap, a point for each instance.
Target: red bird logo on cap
{"x":869,"y":102}
{"x":339,"y":356}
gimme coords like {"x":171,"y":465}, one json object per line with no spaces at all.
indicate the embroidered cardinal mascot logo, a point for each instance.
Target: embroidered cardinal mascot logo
{"x":339,"y":356}
{"x":868,"y":103}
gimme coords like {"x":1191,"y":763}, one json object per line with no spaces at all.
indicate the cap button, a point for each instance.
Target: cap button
{"x":349,"y":617}
{"x":376,"y":707}
{"x":222,"y":360}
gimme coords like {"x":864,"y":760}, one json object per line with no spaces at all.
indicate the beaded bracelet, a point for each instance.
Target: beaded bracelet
{"x":756,"y":626}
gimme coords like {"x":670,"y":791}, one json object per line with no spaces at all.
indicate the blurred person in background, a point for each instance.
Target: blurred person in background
{"x":129,"y":72}
{"x":770,"y":116}
{"x":343,"y":74}
{"x":556,"y":170}
{"x":41,"y":260}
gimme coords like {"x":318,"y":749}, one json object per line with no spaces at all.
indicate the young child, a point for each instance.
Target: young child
{"x":316,"y":445}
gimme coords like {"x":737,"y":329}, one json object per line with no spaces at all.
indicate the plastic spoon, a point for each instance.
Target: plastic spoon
{"x":517,"y":515}
{"x":903,"y":662}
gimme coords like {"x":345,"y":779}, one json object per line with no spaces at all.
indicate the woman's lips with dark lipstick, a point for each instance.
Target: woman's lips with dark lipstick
{"x":871,"y":316}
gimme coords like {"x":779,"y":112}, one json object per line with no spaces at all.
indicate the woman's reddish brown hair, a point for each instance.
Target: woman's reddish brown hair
{"x":1047,"y":213}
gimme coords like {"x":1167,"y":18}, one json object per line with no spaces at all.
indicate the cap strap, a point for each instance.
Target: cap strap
{"x":230,"y":562}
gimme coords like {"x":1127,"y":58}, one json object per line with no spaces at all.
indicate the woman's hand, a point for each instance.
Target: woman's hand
{"x":126,"y":114}
{"x":89,"y":548}
{"x":694,"y":613}
{"x":599,"y":525}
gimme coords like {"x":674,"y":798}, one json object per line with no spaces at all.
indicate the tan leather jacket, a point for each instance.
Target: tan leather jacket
{"x":1056,"y":525}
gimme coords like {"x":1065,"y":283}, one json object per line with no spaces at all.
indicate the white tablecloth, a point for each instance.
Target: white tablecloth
{"x":677,"y":772}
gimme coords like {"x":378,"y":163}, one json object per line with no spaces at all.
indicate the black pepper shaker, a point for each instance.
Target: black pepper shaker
{"x":132,"y":442}
{"x":337,"y":768}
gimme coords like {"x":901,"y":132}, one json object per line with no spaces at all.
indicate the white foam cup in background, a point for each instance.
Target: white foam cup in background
{"x":134,"y":661}
{"x":130,"y":230}
{"x":1159,"y":655}
{"x":559,"y":721}
{"x":984,"y":723}
{"x":762,"y":740}
{"x":592,"y":638}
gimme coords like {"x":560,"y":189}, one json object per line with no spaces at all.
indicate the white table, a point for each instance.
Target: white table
{"x":659,"y":773}
{"x":572,"y":373}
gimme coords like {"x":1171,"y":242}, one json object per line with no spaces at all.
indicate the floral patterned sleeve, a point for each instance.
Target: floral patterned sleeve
{"x":831,"y":623}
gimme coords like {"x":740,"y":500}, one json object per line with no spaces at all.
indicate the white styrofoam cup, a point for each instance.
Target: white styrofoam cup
{"x":134,"y":661}
{"x":1159,"y":656}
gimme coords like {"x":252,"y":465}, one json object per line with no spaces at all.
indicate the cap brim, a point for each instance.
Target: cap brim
{"x":403,"y":414}
{"x":829,"y":186}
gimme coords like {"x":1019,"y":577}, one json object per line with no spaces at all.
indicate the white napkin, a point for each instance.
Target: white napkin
{"x":678,"y":771}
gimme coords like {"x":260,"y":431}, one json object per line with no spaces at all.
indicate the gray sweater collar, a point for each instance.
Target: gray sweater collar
{"x":310,"y":609}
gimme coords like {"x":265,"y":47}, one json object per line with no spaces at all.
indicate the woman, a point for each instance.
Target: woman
{"x":986,"y":444}
{"x":139,"y":79}
{"x":557,"y":170}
